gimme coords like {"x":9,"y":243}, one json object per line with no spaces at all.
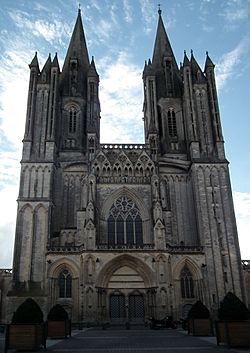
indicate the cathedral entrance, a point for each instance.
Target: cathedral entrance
{"x":129,"y":308}
{"x":136,"y":308}
{"x":126,"y":299}
{"x":117,"y":308}
{"x":125,"y":291}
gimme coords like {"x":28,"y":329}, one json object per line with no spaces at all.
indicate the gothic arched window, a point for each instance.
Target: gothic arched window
{"x":124,"y":223}
{"x":187,"y":283}
{"x":172,"y":127}
{"x":72,"y":120}
{"x":65,"y":284}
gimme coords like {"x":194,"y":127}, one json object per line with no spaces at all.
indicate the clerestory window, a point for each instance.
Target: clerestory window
{"x":65,"y":284}
{"x":187,"y":283}
{"x":124,"y":223}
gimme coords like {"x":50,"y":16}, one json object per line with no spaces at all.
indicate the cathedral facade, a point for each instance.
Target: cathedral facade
{"x":122,"y":232}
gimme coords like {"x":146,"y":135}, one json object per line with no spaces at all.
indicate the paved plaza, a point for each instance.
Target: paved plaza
{"x":113,"y":340}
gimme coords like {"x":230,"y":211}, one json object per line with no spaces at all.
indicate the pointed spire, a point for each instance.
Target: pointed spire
{"x":186,"y":61}
{"x":208,"y":62}
{"x":92,"y":69}
{"x":55,"y":62}
{"x":197,"y":73}
{"x":162,"y":45}
{"x":45,"y":73}
{"x":34,"y":62}
{"x":47,"y":65}
{"x":76,"y":64}
{"x":77,"y":48}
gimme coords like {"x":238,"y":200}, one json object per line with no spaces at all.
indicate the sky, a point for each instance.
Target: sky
{"x":120,"y":35}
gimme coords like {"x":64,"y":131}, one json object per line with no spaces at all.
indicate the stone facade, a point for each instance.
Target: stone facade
{"x":246,"y":272}
{"x":123,"y":232}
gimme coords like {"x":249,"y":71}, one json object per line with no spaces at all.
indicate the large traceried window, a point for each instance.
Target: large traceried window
{"x":65,"y":284}
{"x":187,"y":283}
{"x":124,"y":223}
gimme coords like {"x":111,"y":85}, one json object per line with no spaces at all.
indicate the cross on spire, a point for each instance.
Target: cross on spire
{"x":159,"y":9}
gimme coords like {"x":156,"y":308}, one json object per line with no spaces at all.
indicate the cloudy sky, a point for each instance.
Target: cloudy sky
{"x":120,"y":35}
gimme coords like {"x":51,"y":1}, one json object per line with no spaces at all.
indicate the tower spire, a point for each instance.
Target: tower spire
{"x":77,"y":46}
{"x":76,"y":63}
{"x":162,"y":47}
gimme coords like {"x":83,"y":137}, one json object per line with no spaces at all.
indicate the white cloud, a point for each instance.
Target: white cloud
{"x":242,"y":212}
{"x":8,"y":208}
{"x":50,"y":30}
{"x":9,"y":168}
{"x":127,"y":11}
{"x":148,"y":14}
{"x":229,"y":64}
{"x":235,"y":11}
{"x":121,"y":101}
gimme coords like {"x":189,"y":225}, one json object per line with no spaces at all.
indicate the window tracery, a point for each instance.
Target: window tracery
{"x":65,"y":284}
{"x":187,"y":283}
{"x":124,"y":223}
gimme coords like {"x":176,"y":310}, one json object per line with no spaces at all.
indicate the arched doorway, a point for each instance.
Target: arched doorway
{"x":124,"y":284}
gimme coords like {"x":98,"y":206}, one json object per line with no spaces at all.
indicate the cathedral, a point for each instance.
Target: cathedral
{"x":123,"y":232}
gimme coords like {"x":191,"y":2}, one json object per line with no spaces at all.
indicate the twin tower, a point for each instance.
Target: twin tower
{"x":122,"y":232}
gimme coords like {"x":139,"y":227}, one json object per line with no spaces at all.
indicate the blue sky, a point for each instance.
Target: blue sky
{"x":120,"y":35}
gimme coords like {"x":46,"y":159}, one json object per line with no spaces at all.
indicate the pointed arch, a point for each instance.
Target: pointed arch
{"x":191,"y":265}
{"x":125,"y":260}
{"x":24,"y":207}
{"x":61,"y":264}
{"x":131,"y":194}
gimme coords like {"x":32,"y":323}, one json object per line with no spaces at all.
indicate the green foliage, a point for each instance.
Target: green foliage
{"x":28,"y":312}
{"x":198,"y":311}
{"x":232,"y":308}
{"x":57,"y":313}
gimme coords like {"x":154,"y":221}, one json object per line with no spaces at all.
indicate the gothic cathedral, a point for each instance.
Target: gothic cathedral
{"x":120,"y":232}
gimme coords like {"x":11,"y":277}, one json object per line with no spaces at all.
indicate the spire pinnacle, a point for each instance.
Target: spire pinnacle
{"x":159,"y":9}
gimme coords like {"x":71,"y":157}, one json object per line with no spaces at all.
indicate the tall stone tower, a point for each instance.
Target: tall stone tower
{"x":121,"y":232}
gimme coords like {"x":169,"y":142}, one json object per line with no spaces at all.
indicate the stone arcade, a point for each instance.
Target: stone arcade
{"x":122,"y":232}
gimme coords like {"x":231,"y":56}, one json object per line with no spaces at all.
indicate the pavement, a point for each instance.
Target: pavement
{"x":135,"y":340}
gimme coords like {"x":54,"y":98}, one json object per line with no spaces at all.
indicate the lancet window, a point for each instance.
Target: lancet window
{"x":72,"y":120}
{"x":187,"y":283}
{"x":124,"y":223}
{"x":65,"y":284}
{"x":172,"y":127}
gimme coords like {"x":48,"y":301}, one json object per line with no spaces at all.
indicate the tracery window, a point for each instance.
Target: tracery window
{"x":187,"y":283}
{"x":172,"y":127}
{"x":65,"y":284}
{"x":72,"y":120}
{"x":124,"y":223}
